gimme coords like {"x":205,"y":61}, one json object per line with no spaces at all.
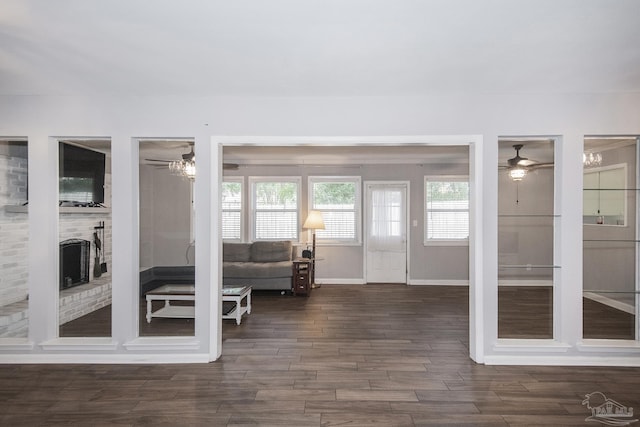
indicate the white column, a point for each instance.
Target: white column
{"x":125,"y":225}
{"x":208,"y":245}
{"x":476,"y":252}
{"x":43,"y":238}
{"x":567,"y":314}
{"x":489,"y":244}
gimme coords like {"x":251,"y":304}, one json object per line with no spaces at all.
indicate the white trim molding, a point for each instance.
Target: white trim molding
{"x":340,"y":281}
{"x":525,"y":282}
{"x":80,"y":344}
{"x":432,"y":282}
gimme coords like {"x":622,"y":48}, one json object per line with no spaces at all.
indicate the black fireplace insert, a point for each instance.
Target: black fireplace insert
{"x":74,"y":262}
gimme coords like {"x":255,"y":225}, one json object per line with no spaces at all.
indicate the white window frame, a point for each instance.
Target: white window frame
{"x":357,"y":180}
{"x":239,"y":180}
{"x":442,"y":242}
{"x":253,"y":180}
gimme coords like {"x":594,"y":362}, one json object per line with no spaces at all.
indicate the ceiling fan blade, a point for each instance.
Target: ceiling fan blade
{"x":541,"y":165}
{"x":526,"y":162}
{"x":225,"y":166}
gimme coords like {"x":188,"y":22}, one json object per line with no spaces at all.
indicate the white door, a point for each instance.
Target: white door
{"x":386,"y":232}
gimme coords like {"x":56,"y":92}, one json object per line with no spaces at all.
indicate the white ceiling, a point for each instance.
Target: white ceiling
{"x":318,"y":47}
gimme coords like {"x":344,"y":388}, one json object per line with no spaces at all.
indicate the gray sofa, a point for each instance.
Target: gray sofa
{"x":262,"y":265}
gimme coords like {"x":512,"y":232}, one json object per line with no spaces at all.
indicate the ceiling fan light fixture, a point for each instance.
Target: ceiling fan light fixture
{"x":517,"y":174}
{"x":184,"y":168}
{"x":591,"y":159}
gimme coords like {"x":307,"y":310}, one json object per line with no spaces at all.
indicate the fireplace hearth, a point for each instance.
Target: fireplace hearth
{"x":74,"y":262}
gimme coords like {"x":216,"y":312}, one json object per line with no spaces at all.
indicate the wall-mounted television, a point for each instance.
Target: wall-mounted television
{"x":81,"y":176}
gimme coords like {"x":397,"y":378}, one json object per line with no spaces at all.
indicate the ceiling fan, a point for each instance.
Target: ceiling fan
{"x":188,"y":159}
{"x":518,"y":166}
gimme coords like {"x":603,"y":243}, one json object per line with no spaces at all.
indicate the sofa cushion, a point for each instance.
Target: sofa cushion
{"x":236,"y":252}
{"x":262,"y":270}
{"x":271,"y":251}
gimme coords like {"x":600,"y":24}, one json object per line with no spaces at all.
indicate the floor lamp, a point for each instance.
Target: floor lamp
{"x":314,"y":222}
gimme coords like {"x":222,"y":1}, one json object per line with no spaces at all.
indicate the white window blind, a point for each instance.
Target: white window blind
{"x":338,"y":198}
{"x":232,"y":210}
{"x":447,"y":209}
{"x":275,"y":208}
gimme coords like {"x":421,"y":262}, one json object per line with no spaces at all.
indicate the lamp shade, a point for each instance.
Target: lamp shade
{"x":314,"y":221}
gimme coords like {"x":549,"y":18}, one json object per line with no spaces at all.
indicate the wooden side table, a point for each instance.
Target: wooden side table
{"x":302,"y":276}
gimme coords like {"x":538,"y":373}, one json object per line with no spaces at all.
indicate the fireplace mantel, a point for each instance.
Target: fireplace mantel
{"x":61,"y":209}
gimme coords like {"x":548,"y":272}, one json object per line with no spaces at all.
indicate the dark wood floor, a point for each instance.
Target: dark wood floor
{"x":347,"y":355}
{"x":527,"y":312}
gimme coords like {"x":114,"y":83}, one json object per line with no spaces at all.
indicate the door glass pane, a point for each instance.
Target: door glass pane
{"x":387,"y":219}
{"x":610,"y":247}
{"x":386,"y":231}
{"x":526,"y":223}
{"x":167,"y":242}
{"x":14,"y":238}
{"x":84,"y":225}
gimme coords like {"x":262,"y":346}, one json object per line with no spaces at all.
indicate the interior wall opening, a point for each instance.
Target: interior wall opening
{"x":430,"y":261}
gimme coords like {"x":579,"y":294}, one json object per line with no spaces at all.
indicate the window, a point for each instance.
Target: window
{"x":447,"y":209}
{"x":232,"y":209}
{"x":338,"y":198}
{"x":275,"y":208}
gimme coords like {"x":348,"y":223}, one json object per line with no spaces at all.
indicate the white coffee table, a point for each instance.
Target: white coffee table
{"x":237,"y":294}
{"x":186,"y":292}
{"x":168,"y":293}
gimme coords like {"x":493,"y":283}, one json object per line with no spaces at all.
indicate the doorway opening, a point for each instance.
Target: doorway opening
{"x":292,"y":156}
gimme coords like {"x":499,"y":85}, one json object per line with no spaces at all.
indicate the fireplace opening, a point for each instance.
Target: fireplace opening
{"x":74,"y":262}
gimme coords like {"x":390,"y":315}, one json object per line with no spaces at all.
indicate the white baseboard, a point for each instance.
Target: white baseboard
{"x":560,"y":360}
{"x":413,"y":282}
{"x":525,"y":282}
{"x":340,"y":281}
{"x":110,"y":358}
{"x":427,"y":282}
{"x":618,"y":305}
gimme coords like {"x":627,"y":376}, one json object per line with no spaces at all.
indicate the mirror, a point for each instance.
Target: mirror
{"x":167,"y":240}
{"x":14,"y":239}
{"x":84,"y":224}
{"x":610,"y":243}
{"x":526,"y":222}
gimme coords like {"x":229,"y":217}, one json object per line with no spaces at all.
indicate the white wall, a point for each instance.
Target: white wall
{"x":488,"y":115}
